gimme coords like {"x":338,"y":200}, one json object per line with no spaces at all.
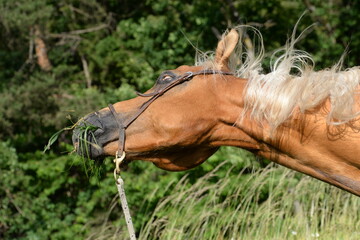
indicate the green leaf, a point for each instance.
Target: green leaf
{"x":52,"y":140}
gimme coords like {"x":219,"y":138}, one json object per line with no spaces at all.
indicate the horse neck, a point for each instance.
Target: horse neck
{"x":233,"y":129}
{"x":303,"y":143}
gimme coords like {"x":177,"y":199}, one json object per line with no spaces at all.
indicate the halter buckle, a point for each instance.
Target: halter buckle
{"x":189,"y":75}
{"x":118,"y":160}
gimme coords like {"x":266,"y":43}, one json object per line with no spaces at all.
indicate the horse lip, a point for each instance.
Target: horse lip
{"x":92,"y":152}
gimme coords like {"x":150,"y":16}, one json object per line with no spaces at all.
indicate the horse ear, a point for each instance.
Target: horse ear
{"x":225,"y":48}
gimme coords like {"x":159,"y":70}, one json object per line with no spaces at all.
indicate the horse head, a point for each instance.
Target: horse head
{"x":184,"y":125}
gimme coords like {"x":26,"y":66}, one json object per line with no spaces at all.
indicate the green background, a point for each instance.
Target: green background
{"x":126,"y":44}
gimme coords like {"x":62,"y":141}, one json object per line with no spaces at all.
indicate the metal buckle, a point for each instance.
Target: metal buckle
{"x":189,"y":75}
{"x":118,"y":160}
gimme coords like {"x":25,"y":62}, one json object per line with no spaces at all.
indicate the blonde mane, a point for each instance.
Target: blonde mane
{"x":291,"y":83}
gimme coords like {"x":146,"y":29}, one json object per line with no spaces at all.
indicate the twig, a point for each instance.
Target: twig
{"x":31,"y":46}
{"x":216,"y":32}
{"x":75,"y":9}
{"x":86,"y":71}
{"x":267,"y":24}
{"x":31,"y":51}
{"x":64,"y":35}
{"x":8,"y":194}
{"x":319,"y":19}
{"x":73,"y":34}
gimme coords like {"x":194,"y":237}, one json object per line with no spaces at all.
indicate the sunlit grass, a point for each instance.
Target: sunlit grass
{"x":237,"y":208}
{"x":269,"y":203}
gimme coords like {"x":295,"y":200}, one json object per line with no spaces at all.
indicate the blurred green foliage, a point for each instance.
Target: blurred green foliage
{"x":124,"y":45}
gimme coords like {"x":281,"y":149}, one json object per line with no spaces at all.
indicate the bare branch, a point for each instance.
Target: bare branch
{"x":73,"y":34}
{"x":64,"y":35}
{"x":216,"y":32}
{"x":86,"y":71}
{"x":319,"y":19}
{"x":75,"y":9}
{"x":31,"y":46}
{"x":30,"y":58}
{"x":267,"y":24}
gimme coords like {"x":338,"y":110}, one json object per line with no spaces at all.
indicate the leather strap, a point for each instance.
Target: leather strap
{"x":121,"y":143}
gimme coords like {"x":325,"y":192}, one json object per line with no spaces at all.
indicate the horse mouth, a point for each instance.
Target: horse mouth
{"x":86,"y":146}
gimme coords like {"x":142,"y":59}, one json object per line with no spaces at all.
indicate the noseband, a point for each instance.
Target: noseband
{"x":123,"y":124}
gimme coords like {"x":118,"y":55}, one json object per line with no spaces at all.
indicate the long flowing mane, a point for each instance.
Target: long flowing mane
{"x":291,"y":83}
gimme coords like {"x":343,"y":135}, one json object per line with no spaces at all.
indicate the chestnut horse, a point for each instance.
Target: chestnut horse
{"x":306,"y":121}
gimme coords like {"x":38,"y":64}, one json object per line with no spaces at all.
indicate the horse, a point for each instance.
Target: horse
{"x":300,"y":118}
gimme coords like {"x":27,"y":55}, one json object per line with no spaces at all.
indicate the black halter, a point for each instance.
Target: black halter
{"x":154,"y":95}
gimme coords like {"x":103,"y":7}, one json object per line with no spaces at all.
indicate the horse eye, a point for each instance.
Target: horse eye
{"x":167,"y":78}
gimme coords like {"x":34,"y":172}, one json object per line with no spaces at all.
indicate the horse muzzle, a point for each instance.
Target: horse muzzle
{"x":92,"y":133}
{"x":86,"y":145}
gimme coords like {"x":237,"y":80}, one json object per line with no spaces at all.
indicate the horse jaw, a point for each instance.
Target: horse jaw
{"x":170,"y":159}
{"x":190,"y":158}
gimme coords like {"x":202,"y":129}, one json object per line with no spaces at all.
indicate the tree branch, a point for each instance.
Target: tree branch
{"x":74,"y":34}
{"x":41,"y":52}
